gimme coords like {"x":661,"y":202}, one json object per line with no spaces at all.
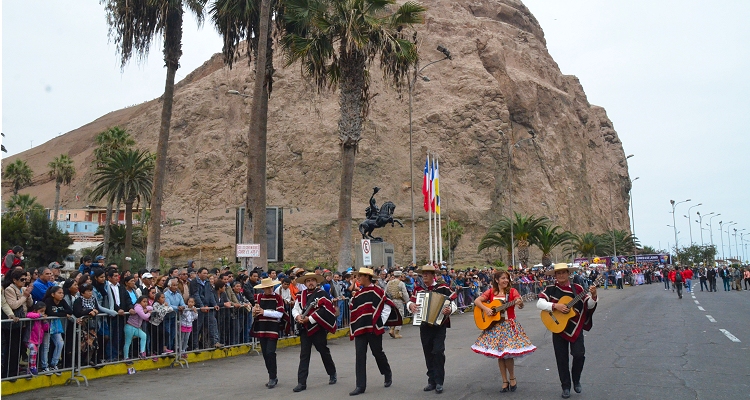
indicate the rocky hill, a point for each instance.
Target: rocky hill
{"x":501,"y":84}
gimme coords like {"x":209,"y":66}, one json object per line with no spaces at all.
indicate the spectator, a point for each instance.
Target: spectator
{"x":56,"y":307}
{"x":39,"y":330}
{"x":86,"y":306}
{"x":189,"y":314}
{"x":12,"y":259}
{"x":133,"y":326}
{"x":160,"y":309}
{"x":41,"y":285}
{"x":16,"y":302}
{"x":175,"y":300}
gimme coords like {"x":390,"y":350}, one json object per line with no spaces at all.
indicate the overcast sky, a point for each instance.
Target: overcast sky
{"x":674,"y":77}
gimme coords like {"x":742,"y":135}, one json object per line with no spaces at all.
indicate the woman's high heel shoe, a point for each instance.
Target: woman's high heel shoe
{"x":505,"y":387}
{"x":513,"y":387}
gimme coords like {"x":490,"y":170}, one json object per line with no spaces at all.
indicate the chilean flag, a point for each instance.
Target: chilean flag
{"x":426,"y":185}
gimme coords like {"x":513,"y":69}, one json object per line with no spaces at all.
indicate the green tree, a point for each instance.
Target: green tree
{"x":133,"y":25}
{"x":525,"y":232}
{"x":498,"y":236}
{"x":117,"y":238}
{"x":109,"y":142}
{"x":23,"y":204}
{"x":451,"y":236}
{"x":336,"y":42}
{"x":695,"y":254}
{"x":585,"y":245}
{"x":19,"y":174}
{"x":62,"y":171}
{"x":649,"y":250}
{"x":42,"y":241}
{"x":547,"y":239}
{"x":15,"y":230}
{"x":626,"y":243}
{"x":127,"y":175}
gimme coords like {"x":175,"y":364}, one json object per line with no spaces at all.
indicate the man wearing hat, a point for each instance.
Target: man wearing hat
{"x":268,"y":313}
{"x":433,"y":337}
{"x":314,"y":314}
{"x":571,"y":339}
{"x":370,"y":312}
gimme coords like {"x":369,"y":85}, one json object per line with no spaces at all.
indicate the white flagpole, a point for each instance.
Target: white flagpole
{"x":429,"y":206}
{"x":440,"y":222}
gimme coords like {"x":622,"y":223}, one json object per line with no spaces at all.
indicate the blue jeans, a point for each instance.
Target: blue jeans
{"x":169,"y":332}
{"x":606,"y":280}
{"x":342,"y":310}
{"x":58,"y":342}
{"x":727,"y":285}
{"x":687,"y":284}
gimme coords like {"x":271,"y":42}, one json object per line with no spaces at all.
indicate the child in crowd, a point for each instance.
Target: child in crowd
{"x":38,"y":329}
{"x":189,"y":314}
{"x":133,"y":327}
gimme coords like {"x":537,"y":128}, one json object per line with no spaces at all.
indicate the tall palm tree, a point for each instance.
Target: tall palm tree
{"x":134,"y":24}
{"x":19,"y":174}
{"x":110,"y":141}
{"x":498,"y":236}
{"x":625,"y":242}
{"x":250,"y":20}
{"x":117,"y":240}
{"x":23,"y":204}
{"x":547,"y":239}
{"x":126,"y":175}
{"x":62,"y":171}
{"x":585,"y":245}
{"x":336,"y":42}
{"x":525,"y":232}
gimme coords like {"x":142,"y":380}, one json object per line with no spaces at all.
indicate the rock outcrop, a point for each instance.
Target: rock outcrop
{"x":501,"y":85}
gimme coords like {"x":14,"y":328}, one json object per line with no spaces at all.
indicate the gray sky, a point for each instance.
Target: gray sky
{"x":674,"y":77}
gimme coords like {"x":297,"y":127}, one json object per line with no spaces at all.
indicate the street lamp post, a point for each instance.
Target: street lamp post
{"x":735,"y":242}
{"x":729,"y":239}
{"x":674,"y":222}
{"x":721,"y":236}
{"x":700,"y":223}
{"x":632,"y":211}
{"x":711,"y":229}
{"x":611,"y":209}
{"x":690,"y":225}
{"x":510,"y":192}
{"x":412,"y":79}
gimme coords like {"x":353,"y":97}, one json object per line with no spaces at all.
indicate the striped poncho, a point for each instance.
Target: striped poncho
{"x":323,"y":313}
{"x":366,"y":308}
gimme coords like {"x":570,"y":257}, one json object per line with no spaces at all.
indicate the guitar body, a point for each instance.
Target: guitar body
{"x":556,"y":321}
{"x":484,"y":321}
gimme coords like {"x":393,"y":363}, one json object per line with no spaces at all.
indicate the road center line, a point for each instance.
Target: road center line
{"x":729,"y":335}
{"x":696,"y":301}
{"x":701,"y":308}
{"x":710,"y":318}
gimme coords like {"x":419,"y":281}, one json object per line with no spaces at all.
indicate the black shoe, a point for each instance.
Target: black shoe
{"x":300,"y":387}
{"x":356,"y":391}
{"x":513,"y":387}
{"x":333,"y":380}
{"x":388,"y":380}
{"x":430,"y":387}
{"x":577,"y":387}
{"x":272,"y":383}
{"x":566,"y":393}
{"x":438,"y":388}
{"x":504,"y":388}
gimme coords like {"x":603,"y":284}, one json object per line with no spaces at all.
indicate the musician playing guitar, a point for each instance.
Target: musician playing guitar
{"x":506,"y":339}
{"x":570,"y":339}
{"x":433,"y":337}
{"x":316,"y":317}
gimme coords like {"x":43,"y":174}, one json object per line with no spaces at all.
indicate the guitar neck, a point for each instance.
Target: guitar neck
{"x":582,"y":294}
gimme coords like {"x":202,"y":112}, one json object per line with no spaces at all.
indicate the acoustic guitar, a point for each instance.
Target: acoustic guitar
{"x":555,"y":320}
{"x":484,"y":321}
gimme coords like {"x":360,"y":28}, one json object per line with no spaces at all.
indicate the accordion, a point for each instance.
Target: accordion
{"x":430,"y":308}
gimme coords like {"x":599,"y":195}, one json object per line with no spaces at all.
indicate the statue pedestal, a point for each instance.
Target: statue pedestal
{"x":382,"y":254}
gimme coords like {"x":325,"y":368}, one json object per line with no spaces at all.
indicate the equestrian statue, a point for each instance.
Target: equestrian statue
{"x":377,"y":217}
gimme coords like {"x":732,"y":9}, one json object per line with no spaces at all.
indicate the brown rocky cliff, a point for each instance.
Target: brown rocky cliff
{"x":501,"y":84}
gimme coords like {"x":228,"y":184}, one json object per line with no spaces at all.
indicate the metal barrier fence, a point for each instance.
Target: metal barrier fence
{"x":77,"y":344}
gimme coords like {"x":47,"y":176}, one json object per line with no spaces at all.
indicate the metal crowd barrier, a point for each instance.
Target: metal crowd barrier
{"x":93,"y":342}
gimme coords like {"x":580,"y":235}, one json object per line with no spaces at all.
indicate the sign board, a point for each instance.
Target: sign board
{"x":248,"y":250}
{"x":274,"y":231}
{"x":366,"y":252}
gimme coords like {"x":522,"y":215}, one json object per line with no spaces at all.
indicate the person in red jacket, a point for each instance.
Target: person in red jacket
{"x":12,"y":259}
{"x":687,"y":276}
{"x":677,"y":279}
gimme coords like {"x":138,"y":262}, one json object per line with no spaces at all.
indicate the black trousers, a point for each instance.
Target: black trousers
{"x":577,"y":350}
{"x":268,"y":348}
{"x":376,"y":347}
{"x":433,"y":346}
{"x":712,"y":284}
{"x":704,"y":283}
{"x":318,"y":339}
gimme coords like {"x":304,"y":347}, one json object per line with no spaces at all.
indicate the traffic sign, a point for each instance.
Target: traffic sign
{"x":366,"y":252}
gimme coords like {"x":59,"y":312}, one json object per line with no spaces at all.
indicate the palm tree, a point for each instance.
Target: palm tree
{"x":547,"y":239}
{"x":125,"y":176}
{"x":117,"y":238}
{"x":451,"y":236}
{"x":238,"y":20}
{"x":625,"y":242}
{"x":337,"y":41}
{"x":23,"y":204}
{"x":110,"y":141}
{"x":498,"y":236}
{"x":585,"y":245}
{"x":525,"y":232}
{"x":62,"y":171}
{"x":19,"y":174}
{"x":134,"y":24}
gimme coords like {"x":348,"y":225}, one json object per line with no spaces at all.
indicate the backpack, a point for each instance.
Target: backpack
{"x":678,"y":276}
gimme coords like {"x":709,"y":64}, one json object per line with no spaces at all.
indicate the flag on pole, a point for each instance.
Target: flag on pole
{"x":437,"y":187}
{"x":426,"y":184}
{"x":432,"y":186}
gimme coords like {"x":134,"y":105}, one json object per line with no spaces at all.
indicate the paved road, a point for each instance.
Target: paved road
{"x":646,"y":344}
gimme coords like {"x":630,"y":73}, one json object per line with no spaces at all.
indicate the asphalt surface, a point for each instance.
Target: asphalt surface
{"x":645,"y":344}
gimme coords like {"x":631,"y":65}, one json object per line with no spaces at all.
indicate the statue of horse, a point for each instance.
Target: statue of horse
{"x":384,"y":217}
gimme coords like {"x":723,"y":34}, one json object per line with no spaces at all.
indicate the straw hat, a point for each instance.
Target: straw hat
{"x":309,"y":275}
{"x":266,"y":282}
{"x":561,"y":267}
{"x":427,"y":268}
{"x":366,"y":271}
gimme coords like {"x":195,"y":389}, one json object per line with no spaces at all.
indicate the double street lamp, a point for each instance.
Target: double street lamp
{"x":690,"y":225}
{"x":412,"y":79}
{"x":721,"y":236}
{"x":700,"y":223}
{"x":729,"y":239}
{"x":737,"y":249}
{"x":711,"y":229}
{"x":674,"y":222}
{"x":611,"y":209}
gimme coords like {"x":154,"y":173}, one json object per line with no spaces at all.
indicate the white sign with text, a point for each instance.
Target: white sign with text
{"x":248,"y":250}
{"x":366,"y":252}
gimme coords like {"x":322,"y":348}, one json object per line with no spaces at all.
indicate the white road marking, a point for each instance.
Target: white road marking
{"x":729,"y":335}
{"x":710,"y":318}
{"x":696,"y":301}
{"x":701,"y":308}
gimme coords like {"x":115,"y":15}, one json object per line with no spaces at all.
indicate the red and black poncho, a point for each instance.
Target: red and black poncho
{"x":366,"y":307}
{"x":267,"y":327}
{"x":323,"y":313}
{"x":582,"y":320}
{"x":441,"y":288}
